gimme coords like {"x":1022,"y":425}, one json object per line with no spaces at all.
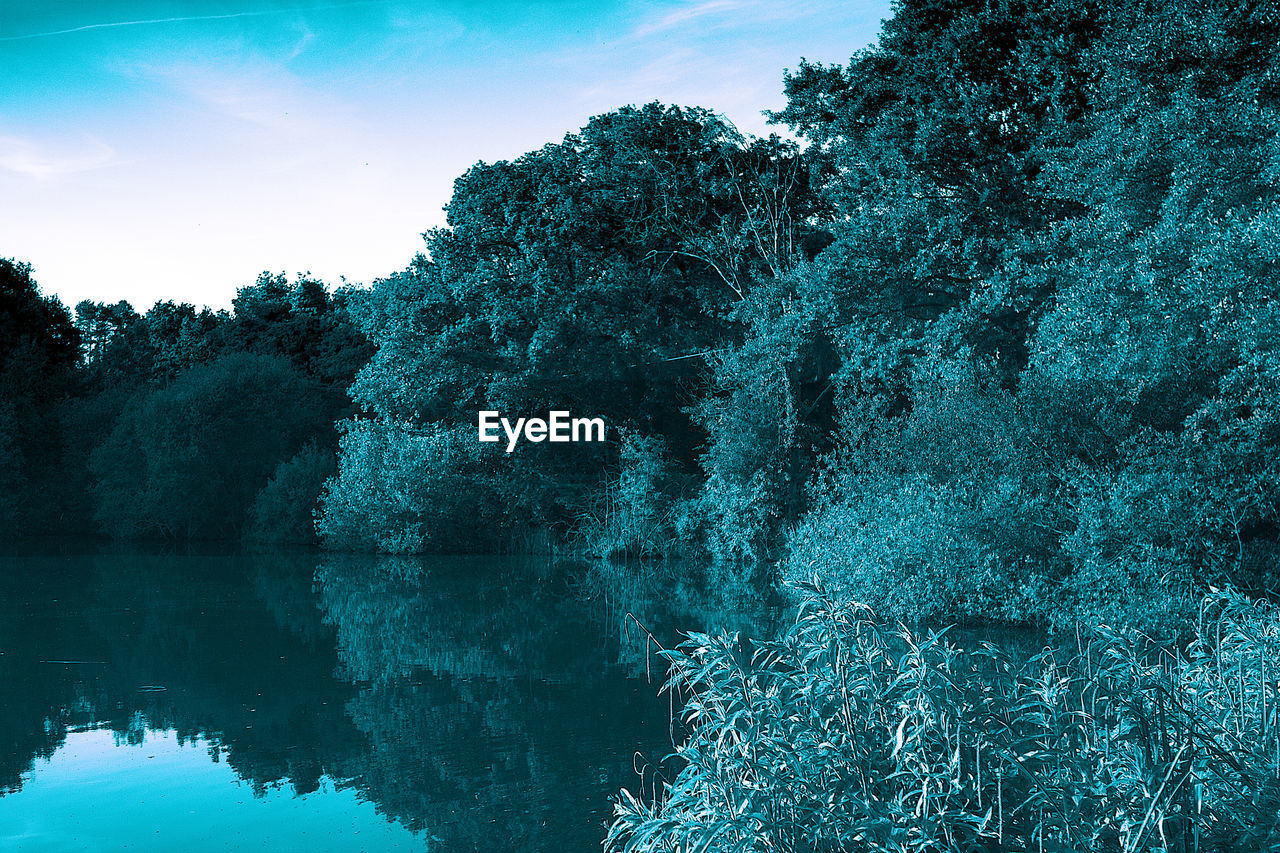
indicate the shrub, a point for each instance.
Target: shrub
{"x":284,"y":510}
{"x":843,"y":735}
{"x":186,"y":460}
{"x":913,"y":553}
{"x":634,"y":518}
{"x":402,"y":489}
{"x":938,"y":513}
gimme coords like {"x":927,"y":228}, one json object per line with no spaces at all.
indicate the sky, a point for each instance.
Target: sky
{"x":174,"y":149}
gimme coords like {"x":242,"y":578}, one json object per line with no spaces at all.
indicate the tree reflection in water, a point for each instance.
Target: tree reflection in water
{"x":488,"y":702}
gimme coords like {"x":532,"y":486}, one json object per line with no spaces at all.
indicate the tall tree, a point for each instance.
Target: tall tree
{"x":39,"y":350}
{"x":594,"y":275}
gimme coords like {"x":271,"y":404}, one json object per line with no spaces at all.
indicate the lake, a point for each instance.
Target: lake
{"x":294,"y":701}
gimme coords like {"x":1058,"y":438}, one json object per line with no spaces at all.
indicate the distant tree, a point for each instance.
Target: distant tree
{"x":182,"y":337}
{"x":300,"y":321}
{"x":39,"y":350}
{"x":284,"y":510}
{"x":118,"y":345}
{"x":140,"y":370}
{"x":32,"y":327}
{"x":187,"y":460}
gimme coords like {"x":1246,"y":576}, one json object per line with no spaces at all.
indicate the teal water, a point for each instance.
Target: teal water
{"x":167,"y":794}
{"x":281,"y":702}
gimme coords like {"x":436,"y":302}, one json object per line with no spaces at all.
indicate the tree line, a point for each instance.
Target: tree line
{"x":995,"y":339}
{"x":180,"y":423}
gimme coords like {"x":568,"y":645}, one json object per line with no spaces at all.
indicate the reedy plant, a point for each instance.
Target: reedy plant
{"x":847,"y":735}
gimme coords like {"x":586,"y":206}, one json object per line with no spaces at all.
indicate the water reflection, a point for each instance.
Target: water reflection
{"x":483,"y":704}
{"x":165,"y":794}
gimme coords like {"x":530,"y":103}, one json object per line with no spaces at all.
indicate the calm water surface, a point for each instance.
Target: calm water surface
{"x":284,"y":702}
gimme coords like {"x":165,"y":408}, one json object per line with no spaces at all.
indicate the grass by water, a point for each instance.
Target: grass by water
{"x":846,"y":734}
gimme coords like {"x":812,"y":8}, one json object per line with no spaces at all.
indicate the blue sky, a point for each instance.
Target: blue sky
{"x":157,"y":149}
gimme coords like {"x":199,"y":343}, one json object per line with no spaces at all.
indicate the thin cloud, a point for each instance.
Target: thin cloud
{"x":681,"y":17}
{"x":183,"y":18}
{"x":669,"y":68}
{"x":28,"y":158}
{"x":304,"y":39}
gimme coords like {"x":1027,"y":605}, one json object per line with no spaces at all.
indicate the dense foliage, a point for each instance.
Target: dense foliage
{"x":998,"y":342}
{"x":179,"y":423}
{"x":596,"y":276}
{"x":844,"y":735}
{"x":39,"y":348}
{"x":1056,"y":321}
{"x":188,"y":459}
{"x":997,"y":339}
